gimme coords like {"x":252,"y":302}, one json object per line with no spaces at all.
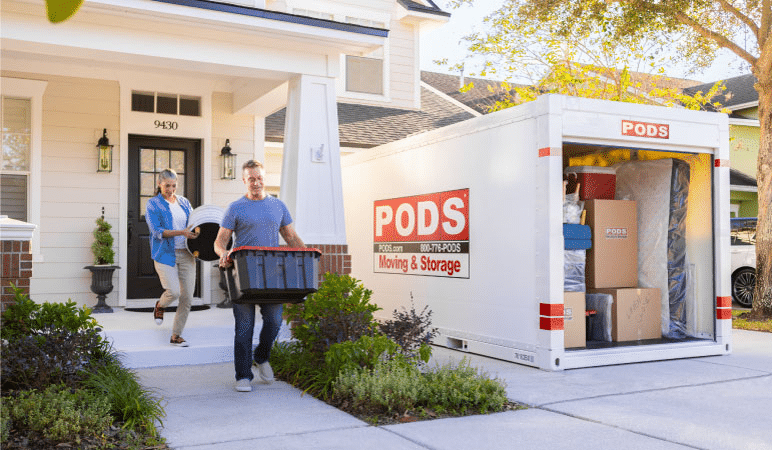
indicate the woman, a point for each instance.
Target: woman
{"x":167,"y":217}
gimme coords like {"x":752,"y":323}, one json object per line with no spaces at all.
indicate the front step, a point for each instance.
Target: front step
{"x":143,"y":344}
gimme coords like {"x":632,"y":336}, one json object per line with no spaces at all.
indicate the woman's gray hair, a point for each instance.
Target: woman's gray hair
{"x":166,"y":174}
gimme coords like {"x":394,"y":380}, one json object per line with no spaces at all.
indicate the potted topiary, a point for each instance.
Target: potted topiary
{"x":103,"y":268}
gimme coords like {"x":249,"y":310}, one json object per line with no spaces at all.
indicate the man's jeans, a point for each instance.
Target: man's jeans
{"x":244,"y":314}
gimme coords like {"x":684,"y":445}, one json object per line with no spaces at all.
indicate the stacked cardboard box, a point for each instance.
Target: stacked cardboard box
{"x":612,"y":268}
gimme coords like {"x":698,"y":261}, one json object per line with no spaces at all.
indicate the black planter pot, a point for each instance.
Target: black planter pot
{"x":101,"y":285}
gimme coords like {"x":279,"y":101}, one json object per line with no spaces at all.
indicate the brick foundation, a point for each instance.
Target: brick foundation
{"x":16,"y":268}
{"x":335,"y":259}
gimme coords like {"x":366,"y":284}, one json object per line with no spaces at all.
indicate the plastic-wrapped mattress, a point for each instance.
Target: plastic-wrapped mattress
{"x":661,"y":189}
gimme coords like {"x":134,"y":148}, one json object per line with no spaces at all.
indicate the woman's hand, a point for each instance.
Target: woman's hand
{"x":190,"y":234}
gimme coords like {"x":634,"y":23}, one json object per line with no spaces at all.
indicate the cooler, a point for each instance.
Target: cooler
{"x":595,"y":182}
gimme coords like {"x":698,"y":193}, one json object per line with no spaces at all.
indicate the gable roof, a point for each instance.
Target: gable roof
{"x":479,"y":97}
{"x":431,"y":8}
{"x":739,"y":91}
{"x":737,"y":178}
{"x":365,"y":126}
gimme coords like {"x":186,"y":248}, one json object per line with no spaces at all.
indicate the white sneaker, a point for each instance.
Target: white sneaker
{"x":265,"y":371}
{"x":244,"y":385}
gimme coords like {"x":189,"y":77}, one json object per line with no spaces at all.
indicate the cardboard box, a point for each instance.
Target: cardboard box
{"x":574,"y":323}
{"x":612,"y":262}
{"x":635,"y":313}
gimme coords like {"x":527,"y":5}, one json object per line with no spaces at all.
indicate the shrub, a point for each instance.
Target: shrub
{"x":395,"y":387}
{"x":25,"y":317}
{"x":58,"y":413}
{"x":52,"y":357}
{"x":128,"y":401}
{"x":389,"y":387}
{"x":411,"y":330}
{"x":463,"y":389}
{"x":339,"y":311}
{"x":102,"y":248}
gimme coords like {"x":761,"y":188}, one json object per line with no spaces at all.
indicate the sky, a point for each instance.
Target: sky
{"x":445,"y":42}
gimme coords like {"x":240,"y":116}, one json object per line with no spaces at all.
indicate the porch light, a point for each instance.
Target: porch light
{"x":227,"y":162}
{"x":105,"y":158}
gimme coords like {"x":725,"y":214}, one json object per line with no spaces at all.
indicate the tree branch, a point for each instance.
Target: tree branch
{"x":730,"y":8}
{"x":719,"y":39}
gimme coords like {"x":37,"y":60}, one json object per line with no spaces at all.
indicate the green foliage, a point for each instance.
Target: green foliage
{"x":102,"y":248}
{"x":128,"y":401}
{"x":303,"y":368}
{"x":392,"y":387}
{"x":365,"y":352}
{"x":590,"y":49}
{"x":24,"y":317}
{"x":339,"y":311}
{"x":58,"y":413}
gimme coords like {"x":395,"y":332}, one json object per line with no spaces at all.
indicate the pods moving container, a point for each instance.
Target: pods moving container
{"x":468,"y":219}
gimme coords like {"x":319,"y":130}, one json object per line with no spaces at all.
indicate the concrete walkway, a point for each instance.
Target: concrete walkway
{"x":720,"y":402}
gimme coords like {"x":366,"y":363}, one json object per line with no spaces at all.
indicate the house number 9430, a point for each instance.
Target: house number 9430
{"x":165,"y":124}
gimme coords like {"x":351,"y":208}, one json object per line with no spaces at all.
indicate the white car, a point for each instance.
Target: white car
{"x":743,"y":249}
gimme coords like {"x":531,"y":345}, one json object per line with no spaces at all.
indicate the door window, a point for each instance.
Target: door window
{"x":153,"y":161}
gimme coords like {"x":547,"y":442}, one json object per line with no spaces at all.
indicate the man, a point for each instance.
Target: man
{"x":257,"y":219}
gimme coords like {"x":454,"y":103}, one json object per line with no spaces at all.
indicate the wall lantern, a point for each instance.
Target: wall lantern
{"x":228,"y":162}
{"x":105,"y":159}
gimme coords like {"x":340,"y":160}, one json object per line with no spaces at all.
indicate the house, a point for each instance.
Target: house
{"x":170,"y":83}
{"x":742,"y":100}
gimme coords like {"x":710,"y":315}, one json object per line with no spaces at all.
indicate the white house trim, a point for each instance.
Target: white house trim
{"x":33,"y":90}
{"x":745,"y":122}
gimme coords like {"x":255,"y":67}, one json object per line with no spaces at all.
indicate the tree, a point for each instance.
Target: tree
{"x":692,"y":30}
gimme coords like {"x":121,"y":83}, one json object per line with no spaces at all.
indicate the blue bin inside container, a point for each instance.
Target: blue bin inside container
{"x":272,"y":274}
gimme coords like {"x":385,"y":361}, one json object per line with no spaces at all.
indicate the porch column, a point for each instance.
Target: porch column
{"x":311,"y":175}
{"x":16,"y":267}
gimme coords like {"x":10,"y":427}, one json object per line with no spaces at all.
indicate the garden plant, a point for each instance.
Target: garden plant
{"x":64,"y":386}
{"x":376,"y":371}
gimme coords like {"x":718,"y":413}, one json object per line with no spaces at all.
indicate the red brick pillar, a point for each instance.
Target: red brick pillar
{"x":335,"y":259}
{"x":16,"y":268}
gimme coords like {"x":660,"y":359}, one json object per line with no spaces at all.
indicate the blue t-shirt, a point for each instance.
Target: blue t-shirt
{"x":256,"y":223}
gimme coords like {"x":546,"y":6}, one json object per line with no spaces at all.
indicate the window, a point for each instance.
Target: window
{"x":364,"y":75}
{"x":16,"y":157}
{"x":152,"y":161}
{"x":174,"y":104}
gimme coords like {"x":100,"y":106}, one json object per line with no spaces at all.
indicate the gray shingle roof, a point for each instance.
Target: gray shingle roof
{"x":739,"y":90}
{"x":367,"y":126}
{"x":737,"y":178}
{"x":479,"y":98}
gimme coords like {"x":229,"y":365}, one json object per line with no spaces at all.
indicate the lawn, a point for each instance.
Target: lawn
{"x":741,"y":321}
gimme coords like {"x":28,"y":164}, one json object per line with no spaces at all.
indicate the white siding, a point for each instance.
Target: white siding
{"x":75,"y":110}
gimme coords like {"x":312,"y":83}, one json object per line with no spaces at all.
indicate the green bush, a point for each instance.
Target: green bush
{"x":395,"y":387}
{"x":102,"y":248}
{"x":58,"y":413}
{"x":389,"y":387}
{"x":339,"y":311}
{"x":24,"y":317}
{"x":129,"y":402}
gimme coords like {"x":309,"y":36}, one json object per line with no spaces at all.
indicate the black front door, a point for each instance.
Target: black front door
{"x":149,"y":155}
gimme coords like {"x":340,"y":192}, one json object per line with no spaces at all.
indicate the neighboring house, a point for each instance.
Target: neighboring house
{"x":742,"y":100}
{"x":171,"y":81}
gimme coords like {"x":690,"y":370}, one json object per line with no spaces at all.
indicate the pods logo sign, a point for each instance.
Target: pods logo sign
{"x":645,"y":129}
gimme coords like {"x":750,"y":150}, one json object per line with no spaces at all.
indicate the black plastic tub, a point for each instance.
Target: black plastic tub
{"x":272,"y":274}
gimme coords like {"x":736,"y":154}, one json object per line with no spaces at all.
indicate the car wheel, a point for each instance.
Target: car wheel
{"x":743,"y":284}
